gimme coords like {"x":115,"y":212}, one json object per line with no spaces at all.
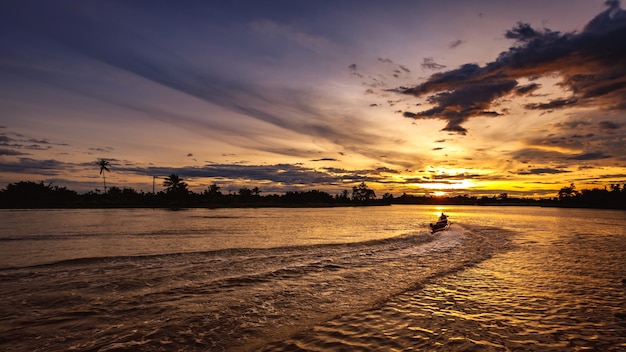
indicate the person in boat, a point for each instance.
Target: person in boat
{"x":441,"y":224}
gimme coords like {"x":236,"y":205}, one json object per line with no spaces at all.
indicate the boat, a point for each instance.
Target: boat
{"x":442,"y":224}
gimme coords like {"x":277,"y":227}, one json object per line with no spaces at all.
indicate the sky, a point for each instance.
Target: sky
{"x":444,"y":97}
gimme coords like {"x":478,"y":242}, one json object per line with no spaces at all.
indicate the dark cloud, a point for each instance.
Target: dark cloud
{"x":542,"y":171}
{"x":326,"y":159}
{"x":591,"y":65}
{"x":461,"y":176}
{"x":527,"y":89}
{"x":44,"y":141}
{"x":458,"y":105}
{"x":523,"y":32}
{"x":9,"y":142}
{"x":288,"y":174}
{"x":553,"y":104}
{"x":426,"y":181}
{"x":8,"y":152}
{"x":544,"y":156}
{"x":48,"y":167}
{"x":608,"y":125}
{"x":537,"y":154}
{"x":429,"y":63}
{"x":380,"y":170}
{"x":101,"y":150}
{"x":572,"y":124}
{"x":577,"y":142}
{"x":25,"y":143}
{"x":456,"y":43}
{"x":591,"y":156}
{"x":37,"y":147}
{"x":588,"y":135}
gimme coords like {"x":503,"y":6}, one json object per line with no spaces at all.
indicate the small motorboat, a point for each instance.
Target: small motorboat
{"x":442,"y":224}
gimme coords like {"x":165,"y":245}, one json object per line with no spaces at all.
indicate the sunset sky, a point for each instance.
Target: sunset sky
{"x":423,"y":97}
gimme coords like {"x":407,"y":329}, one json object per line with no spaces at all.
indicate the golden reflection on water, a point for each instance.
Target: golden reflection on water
{"x":559,"y":287}
{"x":562,"y":287}
{"x":43,"y":236}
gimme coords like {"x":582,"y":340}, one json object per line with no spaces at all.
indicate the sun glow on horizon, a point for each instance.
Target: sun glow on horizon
{"x":445,"y":184}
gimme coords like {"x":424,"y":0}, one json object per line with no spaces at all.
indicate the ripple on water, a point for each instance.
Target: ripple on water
{"x":529,"y":299}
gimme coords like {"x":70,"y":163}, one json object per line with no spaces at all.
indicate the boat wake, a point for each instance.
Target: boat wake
{"x":238,"y":299}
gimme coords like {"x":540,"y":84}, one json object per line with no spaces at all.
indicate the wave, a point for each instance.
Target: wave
{"x":232,"y":298}
{"x":377,"y":245}
{"x":60,"y":237}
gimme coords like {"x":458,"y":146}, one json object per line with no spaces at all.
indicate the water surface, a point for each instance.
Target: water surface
{"x":357,"y":279}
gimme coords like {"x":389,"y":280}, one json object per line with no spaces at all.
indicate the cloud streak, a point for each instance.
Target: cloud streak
{"x":289,"y":109}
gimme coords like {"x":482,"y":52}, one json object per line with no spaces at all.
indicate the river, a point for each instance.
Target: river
{"x":331,"y":279}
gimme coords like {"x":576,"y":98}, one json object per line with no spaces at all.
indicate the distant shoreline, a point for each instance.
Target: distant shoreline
{"x":252,"y":206}
{"x":31,"y":195}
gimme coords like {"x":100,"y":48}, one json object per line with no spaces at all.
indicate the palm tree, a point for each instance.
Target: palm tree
{"x":104,"y":166}
{"x":174,"y":183}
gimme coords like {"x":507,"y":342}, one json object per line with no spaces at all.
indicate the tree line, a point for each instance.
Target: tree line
{"x":28,"y":194}
{"x":611,"y":197}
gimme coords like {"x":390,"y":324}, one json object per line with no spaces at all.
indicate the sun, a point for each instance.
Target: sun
{"x":439,"y":193}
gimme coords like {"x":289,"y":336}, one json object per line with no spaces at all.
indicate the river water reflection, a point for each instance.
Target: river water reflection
{"x":561,"y":288}
{"x":357,"y":279}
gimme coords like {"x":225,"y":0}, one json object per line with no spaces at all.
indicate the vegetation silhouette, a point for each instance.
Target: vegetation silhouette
{"x":362,"y":193}
{"x":175,"y":184}
{"x":567,"y":192}
{"x":28,"y":194}
{"x":612,"y":198}
{"x":104,"y":167}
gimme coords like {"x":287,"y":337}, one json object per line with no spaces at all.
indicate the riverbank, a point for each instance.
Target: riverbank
{"x":31,"y":195}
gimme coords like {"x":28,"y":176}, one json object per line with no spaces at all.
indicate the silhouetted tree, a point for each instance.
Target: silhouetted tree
{"x":362,"y":193}
{"x":115,"y":192}
{"x":213,"y":191}
{"x":308,"y":197}
{"x":245,"y":193}
{"x":174,"y":184}
{"x":343,"y":197}
{"x":104,"y":166}
{"x":28,"y":194}
{"x":567,"y":192}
